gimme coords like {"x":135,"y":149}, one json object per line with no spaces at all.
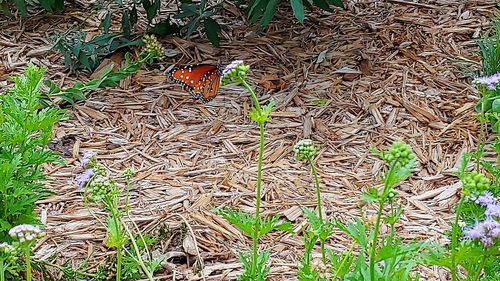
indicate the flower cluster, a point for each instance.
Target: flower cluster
{"x":399,"y":153}
{"x":305,"y":150}
{"x":100,"y":187}
{"x":490,"y":82}
{"x":87,"y":158}
{"x":475,"y":183}
{"x":25,"y":232}
{"x":83,"y":178}
{"x":9,"y":251}
{"x":486,"y":231}
{"x":233,"y":71}
{"x":153,"y":47}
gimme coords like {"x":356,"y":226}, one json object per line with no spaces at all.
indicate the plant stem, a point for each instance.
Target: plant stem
{"x":28,"y":263}
{"x":118,"y":248}
{"x":318,"y":195}
{"x":2,"y":270}
{"x":454,"y":240}
{"x":138,"y":253}
{"x":258,"y":190}
{"x":381,"y":203}
{"x":343,"y":262}
{"x":481,"y":266}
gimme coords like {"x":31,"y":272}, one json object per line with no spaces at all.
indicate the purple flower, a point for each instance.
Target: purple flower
{"x":84,"y":177}
{"x":25,"y":232}
{"x":493,"y":210}
{"x":230,"y":67}
{"x":476,"y":232}
{"x":486,"y":199}
{"x":489,"y":81}
{"x":86,"y":158}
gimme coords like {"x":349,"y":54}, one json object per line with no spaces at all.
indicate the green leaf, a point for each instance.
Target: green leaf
{"x":21,"y":6}
{"x":151,"y":8}
{"x":4,"y":8}
{"x":269,"y":13}
{"x":244,"y":221}
{"x":126,"y":24}
{"x":191,"y":26}
{"x":133,"y":16}
{"x":106,"y":23}
{"x":313,"y":219}
{"x":371,"y":195}
{"x":495,"y":107}
{"x":298,"y":9}
{"x":164,"y":28}
{"x":212,"y":29}
{"x":323,"y":4}
{"x":337,"y":3}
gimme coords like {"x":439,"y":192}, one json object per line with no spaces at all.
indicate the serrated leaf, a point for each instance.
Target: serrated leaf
{"x":212,"y":29}
{"x":269,"y":13}
{"x":313,"y":219}
{"x":191,"y":27}
{"x":298,"y":9}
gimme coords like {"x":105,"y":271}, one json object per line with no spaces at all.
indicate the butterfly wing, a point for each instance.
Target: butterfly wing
{"x":201,"y":81}
{"x":208,"y":87}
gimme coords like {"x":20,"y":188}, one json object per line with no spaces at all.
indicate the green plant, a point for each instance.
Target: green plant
{"x":196,"y":13}
{"x":25,"y":132}
{"x":255,"y":263}
{"x":264,"y":10}
{"x":382,"y":257}
{"x":490,"y":51}
{"x":102,"y":190}
{"x":24,"y":5}
{"x":108,"y":77}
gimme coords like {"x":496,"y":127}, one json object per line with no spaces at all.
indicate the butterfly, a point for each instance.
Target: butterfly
{"x":202,"y":81}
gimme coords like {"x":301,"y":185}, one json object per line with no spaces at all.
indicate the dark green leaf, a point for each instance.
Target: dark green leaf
{"x":4,"y":8}
{"x":47,"y":5}
{"x":106,"y":23}
{"x":58,"y":5}
{"x":133,"y":16}
{"x":164,"y":28}
{"x":212,"y":29}
{"x":337,"y":3}
{"x":21,"y":6}
{"x":126,"y":24}
{"x":323,"y":4}
{"x":191,"y":26}
{"x":269,"y":13}
{"x":151,"y":8}
{"x":85,"y":61}
{"x":298,"y":9}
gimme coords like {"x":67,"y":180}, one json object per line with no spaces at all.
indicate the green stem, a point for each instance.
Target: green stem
{"x":318,"y":198}
{"x":118,"y":248}
{"x":454,"y":241}
{"x":2,"y":270}
{"x":381,"y":203}
{"x":28,"y":264}
{"x":343,"y":262}
{"x":258,"y":191}
{"x":138,"y":253}
{"x":480,"y":269}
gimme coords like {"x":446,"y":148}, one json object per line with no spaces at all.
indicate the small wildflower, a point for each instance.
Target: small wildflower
{"x":232,"y":66}
{"x":87,"y":157}
{"x":153,"y":47}
{"x":84,"y":177}
{"x":485,"y":199}
{"x":25,"y":232}
{"x":305,"y":149}
{"x":493,"y":210}
{"x":489,"y":81}
{"x":486,"y":231}
{"x":234,"y":71}
{"x":6,"y":248}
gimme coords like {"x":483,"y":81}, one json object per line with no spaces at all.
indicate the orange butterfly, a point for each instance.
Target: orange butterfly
{"x":202,"y":81}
